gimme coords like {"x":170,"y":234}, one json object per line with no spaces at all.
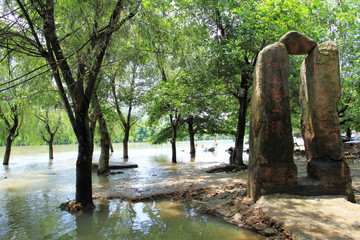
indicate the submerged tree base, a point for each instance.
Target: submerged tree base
{"x":74,"y":207}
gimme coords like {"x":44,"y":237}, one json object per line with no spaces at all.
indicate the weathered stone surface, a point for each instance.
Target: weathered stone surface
{"x":297,"y":43}
{"x":320,"y":93}
{"x":271,"y":162}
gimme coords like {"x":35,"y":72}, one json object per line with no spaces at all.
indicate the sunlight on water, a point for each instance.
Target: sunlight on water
{"x":156,"y":220}
{"x":32,"y":188}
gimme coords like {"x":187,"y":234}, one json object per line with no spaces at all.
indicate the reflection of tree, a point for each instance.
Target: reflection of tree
{"x":84,"y":225}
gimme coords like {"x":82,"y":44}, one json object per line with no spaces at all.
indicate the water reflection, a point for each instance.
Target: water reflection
{"x":84,"y":226}
{"x":32,"y":188}
{"x":153,"y":220}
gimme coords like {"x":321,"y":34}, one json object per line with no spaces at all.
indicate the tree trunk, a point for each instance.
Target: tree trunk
{"x":237,"y":156}
{"x":348,"y":132}
{"x":51,"y":149}
{"x":93,"y":121}
{"x":173,"y":139}
{"x":12,"y":134}
{"x":173,"y":150}
{"x":192,"y":137}
{"x":105,"y":146}
{"x":126,"y":142}
{"x":111,"y":146}
{"x":84,"y":161}
{"x":7,"y":150}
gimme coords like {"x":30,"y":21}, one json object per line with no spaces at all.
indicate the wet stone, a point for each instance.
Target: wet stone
{"x":117,"y":165}
{"x":297,"y":43}
{"x":271,"y":161}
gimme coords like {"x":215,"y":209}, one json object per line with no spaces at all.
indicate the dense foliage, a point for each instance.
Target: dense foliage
{"x":152,"y":70}
{"x":177,"y":61}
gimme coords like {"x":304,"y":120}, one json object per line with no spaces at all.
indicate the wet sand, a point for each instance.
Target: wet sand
{"x":223,"y":194}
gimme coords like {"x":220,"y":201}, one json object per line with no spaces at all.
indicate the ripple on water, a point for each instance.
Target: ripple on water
{"x":35,"y":187}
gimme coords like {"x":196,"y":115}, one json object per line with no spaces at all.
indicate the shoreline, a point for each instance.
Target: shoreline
{"x":276,"y":216}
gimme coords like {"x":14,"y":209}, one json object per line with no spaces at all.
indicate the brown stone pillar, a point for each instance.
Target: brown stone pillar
{"x":271,"y":162}
{"x":320,"y":93}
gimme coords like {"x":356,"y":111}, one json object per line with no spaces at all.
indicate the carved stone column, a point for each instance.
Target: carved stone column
{"x":271,"y":162}
{"x":320,"y":92}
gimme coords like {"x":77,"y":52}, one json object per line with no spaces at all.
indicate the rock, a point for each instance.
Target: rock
{"x":226,"y":168}
{"x":269,"y":231}
{"x":271,"y":162}
{"x":319,"y":93}
{"x":297,"y":43}
{"x":117,"y":165}
{"x":237,"y":217}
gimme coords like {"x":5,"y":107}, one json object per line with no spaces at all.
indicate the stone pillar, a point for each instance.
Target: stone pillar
{"x":320,"y":93}
{"x":271,"y":162}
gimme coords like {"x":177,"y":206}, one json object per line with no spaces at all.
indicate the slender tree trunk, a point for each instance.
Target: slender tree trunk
{"x":173,"y":150}
{"x":84,"y":161}
{"x":7,"y":151}
{"x":348,"y":132}
{"x":111,"y":146}
{"x":93,"y":121}
{"x":105,"y":146}
{"x":192,"y":137}
{"x":173,"y":139}
{"x":12,"y":134}
{"x":98,"y":115}
{"x":237,"y":156}
{"x":126,"y":142}
{"x":51,"y":149}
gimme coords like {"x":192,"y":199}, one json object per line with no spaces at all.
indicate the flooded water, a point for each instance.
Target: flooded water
{"x":32,"y":188}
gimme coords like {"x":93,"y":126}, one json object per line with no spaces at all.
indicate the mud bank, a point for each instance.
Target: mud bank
{"x":223,"y":194}
{"x":228,"y":203}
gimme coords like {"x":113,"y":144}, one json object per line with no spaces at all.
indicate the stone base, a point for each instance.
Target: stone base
{"x":329,"y":172}
{"x":307,"y":186}
{"x":266,"y":179}
{"x":274,"y":175}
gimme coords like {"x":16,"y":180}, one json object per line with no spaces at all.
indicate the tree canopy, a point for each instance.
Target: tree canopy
{"x":159,"y":71}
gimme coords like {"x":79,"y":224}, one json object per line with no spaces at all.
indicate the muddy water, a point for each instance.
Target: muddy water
{"x":32,"y":188}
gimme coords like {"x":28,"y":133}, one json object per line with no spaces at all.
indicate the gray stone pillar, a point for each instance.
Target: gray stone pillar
{"x":320,"y":93}
{"x":271,"y":162}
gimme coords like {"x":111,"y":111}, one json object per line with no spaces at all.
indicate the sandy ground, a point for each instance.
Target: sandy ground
{"x":316,"y":217}
{"x":323,"y":217}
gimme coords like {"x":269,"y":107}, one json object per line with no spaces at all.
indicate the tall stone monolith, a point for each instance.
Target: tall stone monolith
{"x":271,"y":162}
{"x":320,"y":93}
